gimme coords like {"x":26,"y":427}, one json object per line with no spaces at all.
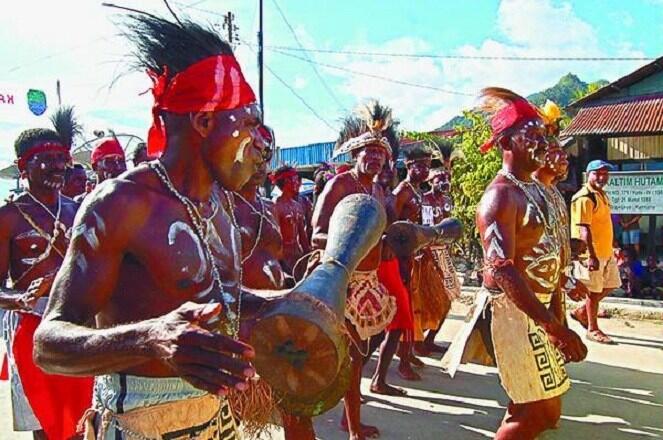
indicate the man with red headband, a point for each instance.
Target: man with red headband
{"x":369,"y":307}
{"x":35,"y":229}
{"x":136,"y":301}
{"x":291,"y":215}
{"x":108,"y":159}
{"x":408,"y":206}
{"x":511,"y":315}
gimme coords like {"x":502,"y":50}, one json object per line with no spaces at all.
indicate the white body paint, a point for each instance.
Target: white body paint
{"x":181,"y":227}
{"x":494,"y":236}
{"x":268,"y":269}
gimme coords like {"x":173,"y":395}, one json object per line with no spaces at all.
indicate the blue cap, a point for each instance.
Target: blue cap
{"x":600,"y":164}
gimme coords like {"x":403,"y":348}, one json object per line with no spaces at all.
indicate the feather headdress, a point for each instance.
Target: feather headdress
{"x":372,"y":123}
{"x":66,"y":125}
{"x":551,"y":114}
{"x":506,"y":109}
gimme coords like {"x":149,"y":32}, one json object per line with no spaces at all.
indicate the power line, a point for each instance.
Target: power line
{"x":294,"y":92}
{"x":303,"y":50}
{"x":455,"y":57}
{"x":380,"y":77}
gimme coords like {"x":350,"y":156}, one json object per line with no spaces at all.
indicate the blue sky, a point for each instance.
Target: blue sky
{"x":76,"y":41}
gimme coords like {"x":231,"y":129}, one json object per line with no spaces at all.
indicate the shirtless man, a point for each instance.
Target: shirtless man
{"x":291,"y":216}
{"x":262,"y":249}
{"x":440,"y":281}
{"x":523,"y":268}
{"x":108,"y":160}
{"x":555,"y":169}
{"x":369,"y":308}
{"x":134,"y":301}
{"x":34,"y":231}
{"x":390,"y":277}
{"x":408,"y":205}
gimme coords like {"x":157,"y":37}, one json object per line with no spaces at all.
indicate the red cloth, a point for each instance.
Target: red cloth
{"x":107,"y":147}
{"x":58,"y":402}
{"x":390,"y":277}
{"x":47,"y":146}
{"x":514,"y":113}
{"x":4,"y":370}
{"x":215,"y":83}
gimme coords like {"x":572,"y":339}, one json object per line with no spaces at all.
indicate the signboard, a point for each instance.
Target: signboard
{"x":636,"y":192}
{"x":24,"y":104}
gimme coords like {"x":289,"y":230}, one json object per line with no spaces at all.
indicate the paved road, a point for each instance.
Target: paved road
{"x":617,"y":393}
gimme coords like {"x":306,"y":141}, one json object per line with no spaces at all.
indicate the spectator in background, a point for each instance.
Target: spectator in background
{"x":75,"y":179}
{"x":591,"y":223}
{"x":631,"y":272}
{"x":651,"y":280}
{"x":630,"y":224}
{"x":139,"y":155}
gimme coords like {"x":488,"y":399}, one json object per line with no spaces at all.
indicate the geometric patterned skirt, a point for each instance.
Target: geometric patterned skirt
{"x":496,"y":332}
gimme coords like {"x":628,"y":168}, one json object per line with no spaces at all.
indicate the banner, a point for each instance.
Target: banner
{"x":636,"y":192}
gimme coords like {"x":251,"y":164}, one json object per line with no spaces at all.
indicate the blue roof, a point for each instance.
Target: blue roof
{"x":307,"y":155}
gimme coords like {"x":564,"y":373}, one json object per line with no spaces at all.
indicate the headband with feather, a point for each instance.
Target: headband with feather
{"x":506,"y":109}
{"x":370,"y":125}
{"x":552,"y":115}
{"x":66,"y":125}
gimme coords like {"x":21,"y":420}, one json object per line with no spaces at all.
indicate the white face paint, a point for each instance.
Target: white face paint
{"x":241,"y":151}
{"x":232,"y":118}
{"x":42,"y":166}
{"x":181,"y":227}
{"x":236,"y":133}
{"x":495,"y":239}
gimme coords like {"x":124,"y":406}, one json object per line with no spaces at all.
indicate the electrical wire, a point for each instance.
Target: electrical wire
{"x":303,"y":50}
{"x":294,"y":92}
{"x":456,"y":57}
{"x":374,"y":76}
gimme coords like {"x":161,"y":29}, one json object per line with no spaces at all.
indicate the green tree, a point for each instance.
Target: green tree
{"x":472,"y":172}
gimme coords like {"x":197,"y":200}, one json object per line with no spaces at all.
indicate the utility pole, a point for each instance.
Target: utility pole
{"x":260,"y":63}
{"x":231,"y":27}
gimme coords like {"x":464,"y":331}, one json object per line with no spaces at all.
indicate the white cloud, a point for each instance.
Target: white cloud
{"x":526,"y":28}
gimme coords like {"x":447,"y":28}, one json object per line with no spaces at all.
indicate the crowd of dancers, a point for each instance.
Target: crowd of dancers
{"x":130,"y":306}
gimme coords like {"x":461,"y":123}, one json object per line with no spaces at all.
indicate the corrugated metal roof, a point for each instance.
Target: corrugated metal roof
{"x":307,"y":155}
{"x":641,"y":115}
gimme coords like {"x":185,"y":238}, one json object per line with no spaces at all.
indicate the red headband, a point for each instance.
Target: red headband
{"x":108,"y":147}
{"x":22,"y":161}
{"x":514,"y":113}
{"x":215,"y":83}
{"x":275,"y":177}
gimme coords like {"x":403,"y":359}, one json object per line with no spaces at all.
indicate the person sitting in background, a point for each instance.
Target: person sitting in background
{"x":651,"y":280}
{"x":630,"y":272}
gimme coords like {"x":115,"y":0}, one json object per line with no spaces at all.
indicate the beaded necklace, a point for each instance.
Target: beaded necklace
{"x":261,"y":215}
{"x":201,"y":227}
{"x":361,"y":186}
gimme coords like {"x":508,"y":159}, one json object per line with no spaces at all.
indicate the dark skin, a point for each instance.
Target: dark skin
{"x":555,"y":168}
{"x":308,"y":209}
{"x":75,"y":181}
{"x":442,"y":203}
{"x":504,"y":206}
{"x":20,"y":243}
{"x":140,"y":156}
{"x":370,"y":161}
{"x":387,"y":180}
{"x":152,"y":313}
{"x":291,"y":216}
{"x":407,"y":205}
{"x":261,"y":269}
